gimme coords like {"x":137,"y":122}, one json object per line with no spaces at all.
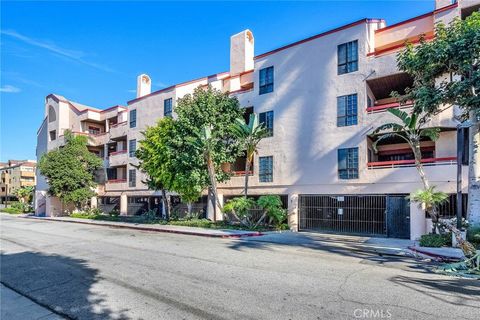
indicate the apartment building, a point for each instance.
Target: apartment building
{"x":14,"y":175}
{"x":321,"y":98}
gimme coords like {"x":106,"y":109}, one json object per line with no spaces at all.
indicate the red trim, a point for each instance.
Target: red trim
{"x":241,"y":91}
{"x":116,"y":180}
{"x":242,"y":173}
{"x":56,"y":99}
{"x":403,"y":151}
{"x":118,"y":124}
{"x":117,"y":152}
{"x":388,"y":49}
{"x":176,"y":86}
{"x":405,"y":22}
{"x":317,"y":36}
{"x":396,"y":162}
{"x":451,"y":6}
{"x":382,"y":107}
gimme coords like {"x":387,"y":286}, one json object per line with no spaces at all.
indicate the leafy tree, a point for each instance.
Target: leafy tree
{"x":165,"y":157}
{"x":446,"y":72}
{"x":25,"y":194}
{"x":70,"y":170}
{"x":204,"y":119}
{"x":249,"y":136}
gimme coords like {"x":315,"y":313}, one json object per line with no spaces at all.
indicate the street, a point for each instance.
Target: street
{"x":91,"y":272}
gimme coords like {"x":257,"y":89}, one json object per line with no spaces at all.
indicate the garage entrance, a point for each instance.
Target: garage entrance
{"x":374,"y":215}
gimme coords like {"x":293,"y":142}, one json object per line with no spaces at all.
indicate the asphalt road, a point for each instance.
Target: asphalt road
{"x":91,"y":272}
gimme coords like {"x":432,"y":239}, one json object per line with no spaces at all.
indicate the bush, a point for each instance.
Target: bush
{"x":436,"y":240}
{"x":240,"y":206}
{"x":200,"y":223}
{"x":11,"y":210}
{"x":273,"y":206}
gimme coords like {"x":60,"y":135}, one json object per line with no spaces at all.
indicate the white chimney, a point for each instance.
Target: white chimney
{"x":241,"y":52}
{"x":144,"y":85}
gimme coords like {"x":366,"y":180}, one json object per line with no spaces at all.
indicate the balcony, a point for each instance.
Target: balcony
{"x":411,"y":163}
{"x":116,"y":185}
{"x":380,"y":91}
{"x":118,"y":158}
{"x":118,"y":130}
{"x":392,"y":38}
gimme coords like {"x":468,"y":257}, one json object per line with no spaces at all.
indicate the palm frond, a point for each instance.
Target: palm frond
{"x":401,"y":115}
{"x":431,"y":133}
{"x":388,"y":126}
{"x":386,"y":136}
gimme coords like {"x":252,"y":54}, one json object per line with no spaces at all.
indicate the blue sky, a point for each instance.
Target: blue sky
{"x":91,"y":52}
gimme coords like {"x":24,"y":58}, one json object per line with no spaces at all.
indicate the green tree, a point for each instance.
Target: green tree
{"x":249,"y":136}
{"x":70,"y":170}
{"x":25,"y":194}
{"x":204,"y":119}
{"x":431,"y":199}
{"x":446,"y":72}
{"x":164,"y":156}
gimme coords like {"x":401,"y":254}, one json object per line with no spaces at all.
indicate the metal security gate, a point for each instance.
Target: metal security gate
{"x":354,"y":214}
{"x":398,"y":217}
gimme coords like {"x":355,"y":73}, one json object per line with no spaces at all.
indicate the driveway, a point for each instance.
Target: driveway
{"x":93,"y":272}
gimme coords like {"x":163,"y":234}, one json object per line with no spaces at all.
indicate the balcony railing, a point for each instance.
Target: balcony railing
{"x":242,"y":173}
{"x":384,"y":107}
{"x":117,"y":152}
{"x":118,"y":124}
{"x":411,"y":163}
{"x":116,"y":181}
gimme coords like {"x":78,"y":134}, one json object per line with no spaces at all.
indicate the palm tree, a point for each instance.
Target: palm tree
{"x":410,"y":129}
{"x":430,"y":199}
{"x":249,"y":135}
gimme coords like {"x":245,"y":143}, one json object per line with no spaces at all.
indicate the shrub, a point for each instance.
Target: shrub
{"x":239,"y":206}
{"x":11,"y":210}
{"x":436,"y":240}
{"x":200,"y":223}
{"x":273,"y":207}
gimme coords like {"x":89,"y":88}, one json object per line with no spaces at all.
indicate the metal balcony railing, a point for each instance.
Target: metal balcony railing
{"x":411,"y":163}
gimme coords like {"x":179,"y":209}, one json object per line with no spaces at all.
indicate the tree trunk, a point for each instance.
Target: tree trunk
{"x":166,"y":205}
{"x":189,"y":209}
{"x":473,"y":212}
{"x":247,"y":169}
{"x":418,"y":163}
{"x":213,"y":182}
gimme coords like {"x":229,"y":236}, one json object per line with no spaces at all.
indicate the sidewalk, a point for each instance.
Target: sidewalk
{"x":203,"y":232}
{"x":17,"y":307}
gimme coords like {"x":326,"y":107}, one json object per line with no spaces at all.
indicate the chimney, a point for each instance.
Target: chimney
{"x":241,"y":52}
{"x":144,"y":85}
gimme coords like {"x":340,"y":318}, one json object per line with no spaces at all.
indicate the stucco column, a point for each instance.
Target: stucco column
{"x":293,"y":211}
{"x":94,"y":202}
{"x":418,"y":223}
{"x":123,"y":205}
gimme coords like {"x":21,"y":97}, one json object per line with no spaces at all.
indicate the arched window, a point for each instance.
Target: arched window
{"x":52,"y":116}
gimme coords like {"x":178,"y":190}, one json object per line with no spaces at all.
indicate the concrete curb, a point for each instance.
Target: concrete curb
{"x":436,"y":256}
{"x":142,"y":228}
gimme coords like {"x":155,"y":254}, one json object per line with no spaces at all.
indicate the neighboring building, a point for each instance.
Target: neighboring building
{"x":14,"y":175}
{"x":320,"y":97}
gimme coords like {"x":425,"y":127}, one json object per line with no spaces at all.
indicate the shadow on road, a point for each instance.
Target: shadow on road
{"x":61,"y":283}
{"x":455,"y":291}
{"x":346,"y":247}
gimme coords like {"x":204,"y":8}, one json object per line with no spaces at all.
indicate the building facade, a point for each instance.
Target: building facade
{"x":321,"y":98}
{"x":16,"y":174}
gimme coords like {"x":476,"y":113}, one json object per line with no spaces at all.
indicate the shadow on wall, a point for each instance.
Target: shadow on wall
{"x":61,"y":283}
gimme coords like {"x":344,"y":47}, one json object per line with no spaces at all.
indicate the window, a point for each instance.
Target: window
{"x":265,"y":169}
{"x":347,"y":110}
{"x":93,"y":130}
{"x":132,"y":147}
{"x":52,"y":116}
{"x":53,"y":135}
{"x":111,"y":173}
{"x":132,"y":178}
{"x":266,"y":118}
{"x":167,"y":107}
{"x":266,"y":80}
{"x":348,"y":57}
{"x":133,"y":118}
{"x":348,"y":163}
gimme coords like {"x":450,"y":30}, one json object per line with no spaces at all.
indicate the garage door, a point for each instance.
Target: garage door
{"x":355,"y":214}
